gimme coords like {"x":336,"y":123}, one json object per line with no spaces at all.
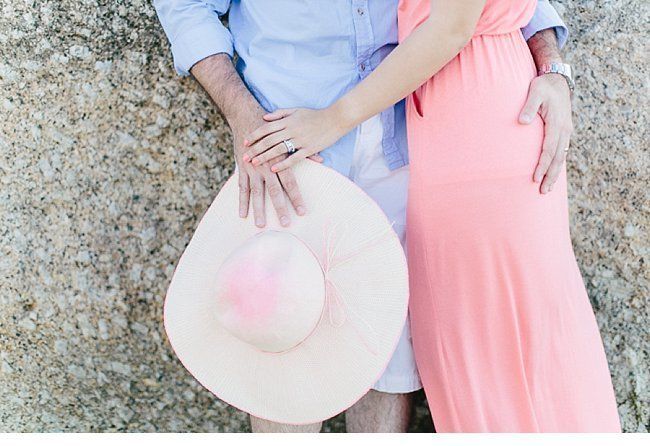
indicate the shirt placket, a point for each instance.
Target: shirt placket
{"x":365,"y":46}
{"x":364,"y":36}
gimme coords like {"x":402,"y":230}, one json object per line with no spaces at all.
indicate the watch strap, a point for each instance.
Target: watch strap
{"x":558,"y":68}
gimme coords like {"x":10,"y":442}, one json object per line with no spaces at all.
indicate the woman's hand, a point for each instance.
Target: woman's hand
{"x":310,"y":131}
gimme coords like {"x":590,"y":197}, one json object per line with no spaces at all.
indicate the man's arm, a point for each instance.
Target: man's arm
{"x":218,"y":77}
{"x":549,"y":94}
{"x":202,"y":45}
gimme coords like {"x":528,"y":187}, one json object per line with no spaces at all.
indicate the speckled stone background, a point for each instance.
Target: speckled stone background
{"x":108,"y":159}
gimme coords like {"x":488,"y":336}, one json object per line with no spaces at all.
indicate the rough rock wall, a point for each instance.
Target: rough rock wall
{"x":108,"y":159}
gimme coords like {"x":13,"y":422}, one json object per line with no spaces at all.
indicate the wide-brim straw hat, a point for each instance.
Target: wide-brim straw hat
{"x":290,"y":324}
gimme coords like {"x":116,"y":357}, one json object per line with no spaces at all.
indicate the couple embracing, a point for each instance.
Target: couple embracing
{"x":455,"y":118}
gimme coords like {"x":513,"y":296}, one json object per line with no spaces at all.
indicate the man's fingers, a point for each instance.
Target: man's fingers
{"x":290,"y":161}
{"x":549,"y":146}
{"x":279,"y":114}
{"x":555,"y":168}
{"x":553,"y":172}
{"x":257,"y":197}
{"x":533,"y":102}
{"x":262,"y":131}
{"x":288,"y":181}
{"x":316,"y":157}
{"x":555,"y":108}
{"x":244,"y":193}
{"x":276,"y":194}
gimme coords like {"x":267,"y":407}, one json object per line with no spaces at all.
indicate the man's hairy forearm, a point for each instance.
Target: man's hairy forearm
{"x":217,"y":75}
{"x":544,"y":48}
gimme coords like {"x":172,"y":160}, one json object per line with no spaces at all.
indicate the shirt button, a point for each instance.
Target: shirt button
{"x":360,"y":11}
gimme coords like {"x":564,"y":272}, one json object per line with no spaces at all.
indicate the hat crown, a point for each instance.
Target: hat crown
{"x":270,"y":292}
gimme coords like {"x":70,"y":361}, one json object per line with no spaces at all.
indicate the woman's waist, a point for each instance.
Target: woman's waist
{"x":497,"y":29}
{"x":491,"y":68}
{"x":503,"y":33}
{"x":492,"y":72}
{"x":492,"y":61}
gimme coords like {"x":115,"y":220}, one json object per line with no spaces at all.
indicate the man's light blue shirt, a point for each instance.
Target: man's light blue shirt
{"x":305,"y":53}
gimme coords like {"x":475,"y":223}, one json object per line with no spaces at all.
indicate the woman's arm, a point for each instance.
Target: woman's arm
{"x":435,"y":42}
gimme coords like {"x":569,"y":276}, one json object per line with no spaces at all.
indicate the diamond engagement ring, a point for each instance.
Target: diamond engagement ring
{"x":291,"y":148}
{"x":566,"y":150}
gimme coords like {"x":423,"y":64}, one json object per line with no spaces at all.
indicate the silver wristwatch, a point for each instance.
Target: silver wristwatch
{"x":562,"y":69}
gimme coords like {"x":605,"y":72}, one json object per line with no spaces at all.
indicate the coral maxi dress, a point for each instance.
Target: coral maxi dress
{"x":504,"y":334}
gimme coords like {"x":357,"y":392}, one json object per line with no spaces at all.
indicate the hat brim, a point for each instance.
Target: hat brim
{"x":339,"y":362}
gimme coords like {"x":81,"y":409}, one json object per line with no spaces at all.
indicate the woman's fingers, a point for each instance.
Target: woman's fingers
{"x":290,"y":161}
{"x":275,"y":151}
{"x":555,"y":168}
{"x":264,"y":144}
{"x":279,"y":114}
{"x":316,"y":157}
{"x":262,"y":131}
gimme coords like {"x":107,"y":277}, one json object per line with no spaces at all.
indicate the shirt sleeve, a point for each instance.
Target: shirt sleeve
{"x":546,"y":17}
{"x":194,"y":30}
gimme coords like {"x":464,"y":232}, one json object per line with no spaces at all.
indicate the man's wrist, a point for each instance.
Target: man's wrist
{"x":546,"y":54}
{"x":544,"y":48}
{"x":218,"y":77}
{"x":246,"y":113}
{"x":559,"y":69}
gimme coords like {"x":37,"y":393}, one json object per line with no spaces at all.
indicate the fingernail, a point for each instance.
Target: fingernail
{"x":300,"y":210}
{"x":274,"y":169}
{"x":245,"y":142}
{"x":284,"y":220}
{"x":550,"y":188}
{"x":242,"y":214}
{"x":259,"y":223}
{"x":525,"y":118}
{"x":246,"y":158}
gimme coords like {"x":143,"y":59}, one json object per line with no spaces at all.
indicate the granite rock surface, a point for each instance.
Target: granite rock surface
{"x":108,"y":160}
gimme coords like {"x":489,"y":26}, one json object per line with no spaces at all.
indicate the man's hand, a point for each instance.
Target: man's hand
{"x":550,"y":96}
{"x":253,"y":180}
{"x":218,"y":77}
